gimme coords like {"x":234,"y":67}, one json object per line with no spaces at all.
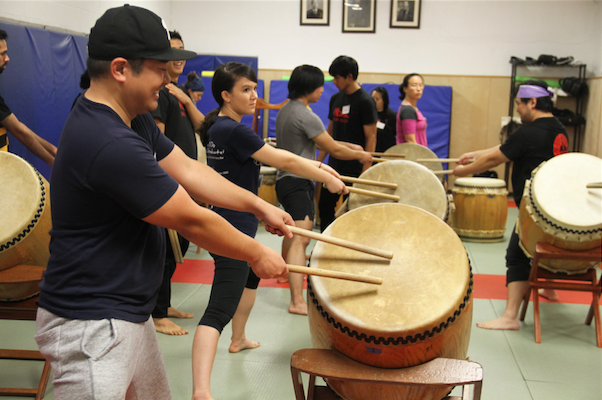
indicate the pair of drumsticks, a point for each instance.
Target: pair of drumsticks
{"x":420,"y":160}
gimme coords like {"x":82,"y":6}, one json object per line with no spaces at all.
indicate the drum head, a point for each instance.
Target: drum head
{"x":20,"y":195}
{"x":416,"y":186}
{"x":559,"y":192}
{"x":413,"y":152}
{"x":480,"y":183}
{"x":425,"y":283}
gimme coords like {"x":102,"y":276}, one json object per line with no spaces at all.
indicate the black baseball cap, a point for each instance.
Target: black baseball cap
{"x":132,"y":32}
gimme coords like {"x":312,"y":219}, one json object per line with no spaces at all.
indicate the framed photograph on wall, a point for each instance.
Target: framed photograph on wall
{"x":315,"y":12}
{"x":405,"y":14}
{"x":359,"y":16}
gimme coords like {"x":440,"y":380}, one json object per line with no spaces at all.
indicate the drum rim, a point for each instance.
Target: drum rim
{"x":463,"y":182}
{"x":34,"y":221}
{"x":426,"y":335}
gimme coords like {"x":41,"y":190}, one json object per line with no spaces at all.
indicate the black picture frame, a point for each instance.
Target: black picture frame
{"x":315,"y":12}
{"x":359,"y":16}
{"x":405,"y":14}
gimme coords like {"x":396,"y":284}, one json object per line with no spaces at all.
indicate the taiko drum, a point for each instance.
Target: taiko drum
{"x":422,"y":311}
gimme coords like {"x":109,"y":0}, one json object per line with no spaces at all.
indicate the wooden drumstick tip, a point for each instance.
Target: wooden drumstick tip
{"x":594,"y":185}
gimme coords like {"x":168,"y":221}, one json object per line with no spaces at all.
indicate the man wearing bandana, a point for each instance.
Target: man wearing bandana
{"x":540,"y":138}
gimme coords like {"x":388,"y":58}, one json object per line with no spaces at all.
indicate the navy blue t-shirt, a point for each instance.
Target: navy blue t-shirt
{"x":105,"y":262}
{"x":229,"y":150}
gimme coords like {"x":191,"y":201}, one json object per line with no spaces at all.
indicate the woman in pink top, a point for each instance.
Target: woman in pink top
{"x":411,"y":124}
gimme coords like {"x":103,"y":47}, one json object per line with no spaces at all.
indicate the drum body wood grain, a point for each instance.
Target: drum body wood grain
{"x":481,"y":209}
{"x":558,"y":208}
{"x":25,"y":205}
{"x":267,"y":190}
{"x":416,"y":186}
{"x":422,"y":311}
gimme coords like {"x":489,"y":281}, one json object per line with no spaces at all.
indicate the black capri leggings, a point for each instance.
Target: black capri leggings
{"x":517,"y":263}
{"x":231,"y":278}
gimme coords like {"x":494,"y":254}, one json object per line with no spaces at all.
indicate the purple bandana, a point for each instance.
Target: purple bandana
{"x":530,"y":91}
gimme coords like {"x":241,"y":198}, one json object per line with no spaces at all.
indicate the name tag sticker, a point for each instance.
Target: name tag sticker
{"x":380,"y":125}
{"x":346,"y":109}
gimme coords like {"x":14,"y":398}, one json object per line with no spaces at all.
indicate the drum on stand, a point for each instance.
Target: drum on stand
{"x":558,"y":208}
{"x":26,"y":222}
{"x":415,"y":151}
{"x":481,"y":209}
{"x":267,"y":190}
{"x":422,"y":311}
{"x":416,"y":186}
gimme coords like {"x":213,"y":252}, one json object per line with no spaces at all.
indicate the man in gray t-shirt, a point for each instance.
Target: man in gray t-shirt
{"x":300,"y":131}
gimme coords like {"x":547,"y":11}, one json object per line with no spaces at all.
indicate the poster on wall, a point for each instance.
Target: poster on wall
{"x":315,"y":12}
{"x":405,"y":14}
{"x":359,"y":16}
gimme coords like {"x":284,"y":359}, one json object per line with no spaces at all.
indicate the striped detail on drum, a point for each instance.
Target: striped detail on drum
{"x":34,"y":220}
{"x":552,"y":224}
{"x":393,"y":341}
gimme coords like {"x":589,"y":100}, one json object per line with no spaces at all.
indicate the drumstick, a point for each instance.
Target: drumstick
{"x":594,"y":185}
{"x":335,"y":274}
{"x":341,"y":242}
{"x":373,"y":193}
{"x":441,"y":160}
{"x":387,"y":155}
{"x":379,"y":159}
{"x":175,"y":245}
{"x":351,"y":179}
{"x":444,"y":172}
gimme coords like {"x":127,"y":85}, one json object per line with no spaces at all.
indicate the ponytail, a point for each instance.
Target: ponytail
{"x":206,"y":125}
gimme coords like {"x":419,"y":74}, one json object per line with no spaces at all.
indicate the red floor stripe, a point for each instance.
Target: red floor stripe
{"x":485,"y":286}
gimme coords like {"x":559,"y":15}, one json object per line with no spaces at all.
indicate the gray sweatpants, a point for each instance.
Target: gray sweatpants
{"x":106,"y":359}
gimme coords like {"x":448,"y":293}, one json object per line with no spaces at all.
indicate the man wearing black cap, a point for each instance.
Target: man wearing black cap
{"x":8,"y":121}
{"x":176,"y":123}
{"x":114,"y":188}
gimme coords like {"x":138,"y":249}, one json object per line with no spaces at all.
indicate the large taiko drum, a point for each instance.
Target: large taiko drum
{"x":413,"y":152}
{"x":267,"y":190}
{"x":558,"y":208}
{"x":481,"y":209}
{"x":24,"y":232}
{"x":416,"y":186}
{"x":423,"y":309}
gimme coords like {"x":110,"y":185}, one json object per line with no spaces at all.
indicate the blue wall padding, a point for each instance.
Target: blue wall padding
{"x":40,"y":82}
{"x":204,"y":62}
{"x":435,"y":104}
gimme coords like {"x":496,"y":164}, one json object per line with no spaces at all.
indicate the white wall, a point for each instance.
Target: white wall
{"x":455,"y":37}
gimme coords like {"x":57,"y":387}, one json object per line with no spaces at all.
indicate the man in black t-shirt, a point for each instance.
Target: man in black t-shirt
{"x":353,"y":120}
{"x":540,"y":138}
{"x":178,"y":124}
{"x":8,"y":121}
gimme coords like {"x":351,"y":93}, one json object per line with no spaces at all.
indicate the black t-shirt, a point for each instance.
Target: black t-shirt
{"x":349,"y":114}
{"x":178,"y":126}
{"x":4,"y":110}
{"x":385,"y":135}
{"x":530,"y":145}
{"x":229,"y":150}
{"x":105,"y":261}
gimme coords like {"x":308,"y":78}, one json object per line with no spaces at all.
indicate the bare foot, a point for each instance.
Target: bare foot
{"x":549,"y":294}
{"x":282,"y":280}
{"x":300,"y":308}
{"x":164,"y":325}
{"x":174,"y":313}
{"x":245,"y":344}
{"x":501,"y":323}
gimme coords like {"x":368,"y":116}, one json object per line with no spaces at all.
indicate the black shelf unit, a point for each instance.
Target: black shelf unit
{"x":579,"y":101}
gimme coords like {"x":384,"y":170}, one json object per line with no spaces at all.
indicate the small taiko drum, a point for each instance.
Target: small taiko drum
{"x":413,"y":152}
{"x":416,"y":186}
{"x":558,"y":208}
{"x":267,"y":190}
{"x":24,"y":232}
{"x":423,"y":309}
{"x":481,"y":209}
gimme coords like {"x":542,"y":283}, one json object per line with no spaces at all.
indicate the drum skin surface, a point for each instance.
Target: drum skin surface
{"x":558,"y":208}
{"x":416,"y":186}
{"x":267,"y":190}
{"x":24,"y":232}
{"x":481,"y":209}
{"x":423,"y":309}
{"x":25,"y":205}
{"x":413,"y":152}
